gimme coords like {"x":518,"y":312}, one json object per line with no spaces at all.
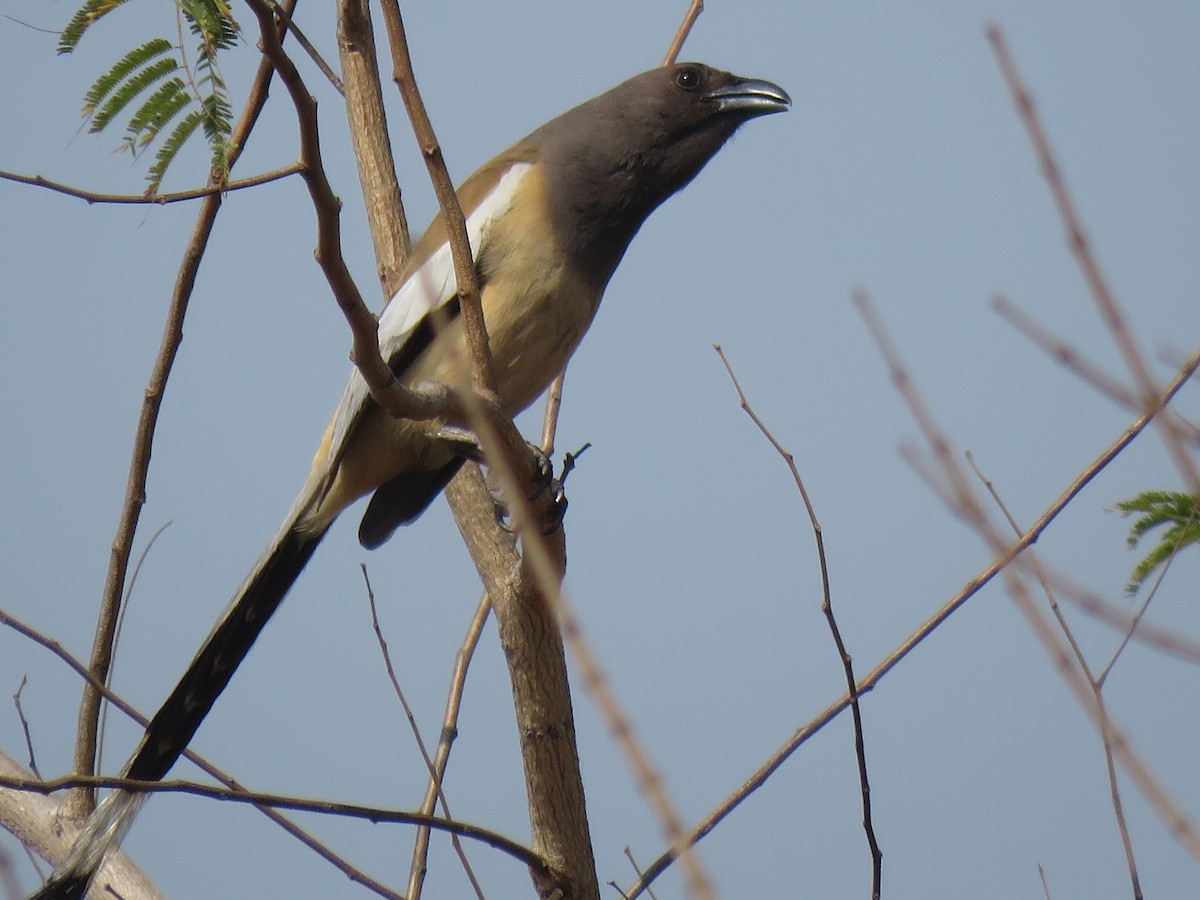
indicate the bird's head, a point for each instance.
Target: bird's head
{"x":618,"y":156}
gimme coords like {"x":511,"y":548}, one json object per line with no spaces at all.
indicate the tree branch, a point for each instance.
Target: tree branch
{"x":869,"y":681}
{"x":81,"y":802}
{"x":860,"y":751}
{"x":263,"y":800}
{"x":156,"y":199}
{"x":372,"y":147}
{"x":386,"y":390}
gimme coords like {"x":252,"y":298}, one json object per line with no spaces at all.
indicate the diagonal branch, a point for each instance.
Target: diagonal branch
{"x":1102,"y":292}
{"x":82,"y":801}
{"x":871,"y":679}
{"x":386,"y":390}
{"x":204,"y":765}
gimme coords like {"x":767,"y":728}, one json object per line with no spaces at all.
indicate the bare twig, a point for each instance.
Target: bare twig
{"x":1127,"y":623}
{"x":482,"y":366}
{"x":81,"y":802}
{"x":1102,"y":293}
{"x":284,"y":16}
{"x":385,"y":389}
{"x":1031,"y":559}
{"x":1136,"y":619}
{"x":16,"y":697}
{"x":1064,"y":353}
{"x":284,"y":801}
{"x":827,"y":608}
{"x":972,"y":587}
{"x":204,"y":765}
{"x":124,"y":611}
{"x":968,"y":507}
{"x":412,"y":724}
{"x":685,"y":28}
{"x":637,"y":871}
{"x":1045,"y":886}
{"x":458,"y":681}
{"x":154,"y":199}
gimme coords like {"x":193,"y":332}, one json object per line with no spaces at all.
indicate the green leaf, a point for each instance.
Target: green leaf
{"x":162,"y":106}
{"x":134,"y":59}
{"x":137,"y":83}
{"x":146,"y":74}
{"x":1178,"y":511}
{"x":86,"y":16}
{"x":170,"y":148}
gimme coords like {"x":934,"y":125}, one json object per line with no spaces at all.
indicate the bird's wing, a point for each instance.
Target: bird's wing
{"x":430,"y":285}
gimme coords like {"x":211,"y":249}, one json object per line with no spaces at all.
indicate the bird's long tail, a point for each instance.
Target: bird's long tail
{"x":177,"y":719}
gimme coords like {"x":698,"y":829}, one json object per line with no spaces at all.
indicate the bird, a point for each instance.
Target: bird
{"x":548,"y":221}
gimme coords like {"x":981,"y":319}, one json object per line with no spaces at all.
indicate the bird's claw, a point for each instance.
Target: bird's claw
{"x":543,"y":482}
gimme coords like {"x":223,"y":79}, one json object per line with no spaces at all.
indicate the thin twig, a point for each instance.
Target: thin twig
{"x":1136,"y":619}
{"x":204,"y":765}
{"x":1096,"y":685}
{"x":25,"y":728}
{"x":154,"y":199}
{"x":482,"y":366}
{"x":124,"y":611}
{"x":375,"y":814}
{"x":1127,"y":623}
{"x":968,"y":507}
{"x":827,"y":608}
{"x":1102,"y":293}
{"x":284,"y":16}
{"x":685,"y":28}
{"x":637,"y":870}
{"x":1045,"y":886}
{"x":1064,"y":353}
{"x":758,"y":778}
{"x":441,"y":758}
{"x":412,"y":724}
{"x":79,"y":803}
{"x":386,"y":390}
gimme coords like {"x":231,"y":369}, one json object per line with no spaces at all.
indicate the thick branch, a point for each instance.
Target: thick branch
{"x":532,"y":644}
{"x":372,"y":149}
{"x":35,"y":821}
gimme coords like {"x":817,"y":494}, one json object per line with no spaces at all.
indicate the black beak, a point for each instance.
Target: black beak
{"x":750,"y":97}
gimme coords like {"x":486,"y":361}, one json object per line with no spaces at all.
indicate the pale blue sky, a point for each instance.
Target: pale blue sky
{"x":903,"y":170}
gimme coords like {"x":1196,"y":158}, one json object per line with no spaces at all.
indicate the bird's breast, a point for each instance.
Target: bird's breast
{"x":537,"y":303}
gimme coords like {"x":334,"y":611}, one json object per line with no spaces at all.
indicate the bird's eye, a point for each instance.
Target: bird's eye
{"x":687,"y":79}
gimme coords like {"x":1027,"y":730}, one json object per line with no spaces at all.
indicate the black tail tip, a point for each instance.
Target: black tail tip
{"x":68,"y":887}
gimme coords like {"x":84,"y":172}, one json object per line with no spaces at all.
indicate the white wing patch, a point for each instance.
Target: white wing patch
{"x":426,"y":289}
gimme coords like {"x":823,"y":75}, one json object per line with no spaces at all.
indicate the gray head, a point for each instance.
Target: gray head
{"x":612,"y":160}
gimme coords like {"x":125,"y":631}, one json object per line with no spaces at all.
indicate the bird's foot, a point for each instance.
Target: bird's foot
{"x":545,"y":493}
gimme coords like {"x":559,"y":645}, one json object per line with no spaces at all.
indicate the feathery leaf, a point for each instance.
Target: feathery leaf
{"x":1177,"y":510}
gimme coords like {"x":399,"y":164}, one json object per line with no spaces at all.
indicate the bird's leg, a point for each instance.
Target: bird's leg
{"x":464,"y":443}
